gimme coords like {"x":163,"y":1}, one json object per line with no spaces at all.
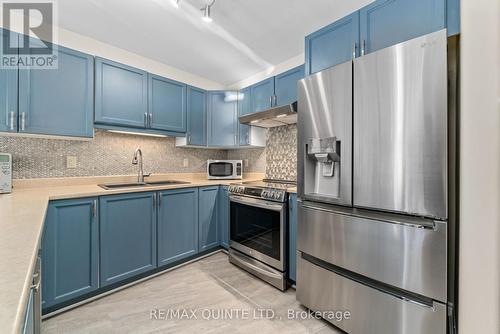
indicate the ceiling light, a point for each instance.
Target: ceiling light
{"x":207,"y":17}
{"x":175,"y":3}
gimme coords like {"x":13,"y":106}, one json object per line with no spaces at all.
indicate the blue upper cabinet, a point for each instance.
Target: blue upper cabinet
{"x":121,"y":94}
{"x":262,"y":95}
{"x":333,"y":44}
{"x":244,"y":108}
{"x":128,"y":236}
{"x":453,"y":17}
{"x":58,"y":101}
{"x":208,"y":220}
{"x":70,"y":250}
{"x":8,"y":94}
{"x":197,"y":116}
{"x":223,"y":216}
{"x":286,"y":85}
{"x":177,"y":225}
{"x":387,"y":22}
{"x":222,"y":119}
{"x":167,"y":104}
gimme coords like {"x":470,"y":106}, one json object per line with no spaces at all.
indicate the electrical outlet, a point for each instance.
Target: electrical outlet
{"x":185,"y":163}
{"x":71,"y":162}
{"x":246,"y":162}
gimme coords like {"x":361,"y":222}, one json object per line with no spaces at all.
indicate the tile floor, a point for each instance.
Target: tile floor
{"x":210,"y":288}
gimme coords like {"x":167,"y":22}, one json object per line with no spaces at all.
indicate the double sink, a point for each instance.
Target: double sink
{"x":111,"y":186}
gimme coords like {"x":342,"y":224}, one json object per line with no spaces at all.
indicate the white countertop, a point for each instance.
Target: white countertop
{"x":22,"y":215}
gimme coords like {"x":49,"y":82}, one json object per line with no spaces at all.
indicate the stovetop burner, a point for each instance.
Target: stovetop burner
{"x":271,"y":183}
{"x":268,"y":189}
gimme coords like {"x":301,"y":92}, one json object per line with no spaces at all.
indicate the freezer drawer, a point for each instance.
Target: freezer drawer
{"x":400,"y":128}
{"x":371,"y":311}
{"x":403,"y":252}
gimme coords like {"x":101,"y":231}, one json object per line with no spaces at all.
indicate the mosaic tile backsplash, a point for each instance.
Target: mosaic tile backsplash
{"x":281,"y":153}
{"x":278,"y":159}
{"x":106,"y":154}
{"x":111,"y":154}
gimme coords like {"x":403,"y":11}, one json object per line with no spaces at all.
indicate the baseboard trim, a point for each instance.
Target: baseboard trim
{"x":125,"y":286}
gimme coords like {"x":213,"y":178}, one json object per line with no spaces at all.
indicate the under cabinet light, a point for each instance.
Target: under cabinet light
{"x":137,"y":133}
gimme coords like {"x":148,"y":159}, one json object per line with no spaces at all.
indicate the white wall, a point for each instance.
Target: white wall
{"x":277,"y":69}
{"x":94,"y":47}
{"x":479,"y":262}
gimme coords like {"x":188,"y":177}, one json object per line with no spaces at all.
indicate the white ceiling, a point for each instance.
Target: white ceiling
{"x":246,"y":36}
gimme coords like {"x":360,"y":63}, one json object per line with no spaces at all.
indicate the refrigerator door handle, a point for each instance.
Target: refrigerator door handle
{"x":359,"y":213}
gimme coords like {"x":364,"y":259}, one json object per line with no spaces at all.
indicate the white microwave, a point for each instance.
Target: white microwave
{"x":224,"y":169}
{"x":5,"y":173}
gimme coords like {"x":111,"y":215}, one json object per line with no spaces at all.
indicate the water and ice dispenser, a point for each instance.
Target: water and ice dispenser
{"x":322,"y":167}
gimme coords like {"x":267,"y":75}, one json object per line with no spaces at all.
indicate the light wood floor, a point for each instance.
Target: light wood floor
{"x":208,"y":287}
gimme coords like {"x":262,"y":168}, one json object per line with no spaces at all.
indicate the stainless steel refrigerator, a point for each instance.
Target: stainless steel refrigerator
{"x":375,"y":163}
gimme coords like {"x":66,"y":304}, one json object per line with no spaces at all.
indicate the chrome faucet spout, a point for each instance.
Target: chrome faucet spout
{"x":137,"y":160}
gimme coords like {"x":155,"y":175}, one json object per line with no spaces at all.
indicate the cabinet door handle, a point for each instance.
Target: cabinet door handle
{"x":154,"y":200}
{"x":159,"y":200}
{"x":354,"y":50}
{"x":248,"y":138}
{"x":94,"y":208}
{"x":363,"y":48}
{"x":150,"y":120}
{"x":189,"y":138}
{"x":23,"y":121}
{"x":145,"y":119}
{"x":12,"y":116}
{"x":271,"y":100}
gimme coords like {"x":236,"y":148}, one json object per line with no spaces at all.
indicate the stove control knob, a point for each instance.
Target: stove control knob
{"x":264,"y":194}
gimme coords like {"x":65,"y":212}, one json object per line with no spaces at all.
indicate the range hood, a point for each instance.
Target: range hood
{"x":273,"y":117}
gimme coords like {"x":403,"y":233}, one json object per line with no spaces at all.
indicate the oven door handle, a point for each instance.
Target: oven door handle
{"x":256,"y":202}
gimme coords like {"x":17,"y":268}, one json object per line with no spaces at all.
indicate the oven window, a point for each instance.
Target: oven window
{"x":256,"y":228}
{"x":220,"y":169}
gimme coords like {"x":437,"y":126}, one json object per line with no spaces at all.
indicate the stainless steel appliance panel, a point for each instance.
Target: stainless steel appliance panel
{"x":371,"y":311}
{"x":325,"y":121}
{"x":259,"y":269}
{"x":258,"y":229}
{"x":404,"y":252}
{"x":400,"y":128}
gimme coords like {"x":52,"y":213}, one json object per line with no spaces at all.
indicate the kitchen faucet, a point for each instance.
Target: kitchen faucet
{"x":137,"y":159}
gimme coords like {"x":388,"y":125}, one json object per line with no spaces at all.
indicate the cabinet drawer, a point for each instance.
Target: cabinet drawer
{"x":392,"y":249}
{"x":371,"y":311}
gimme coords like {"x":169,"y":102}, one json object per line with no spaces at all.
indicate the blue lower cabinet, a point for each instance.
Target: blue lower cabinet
{"x":292,"y":241}
{"x":333,"y":44}
{"x":70,"y":250}
{"x":224,"y":216}
{"x":177,"y":225}
{"x":128,"y":236}
{"x":208,"y":220}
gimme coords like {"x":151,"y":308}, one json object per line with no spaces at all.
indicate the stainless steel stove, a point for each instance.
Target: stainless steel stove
{"x":258,"y":228}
